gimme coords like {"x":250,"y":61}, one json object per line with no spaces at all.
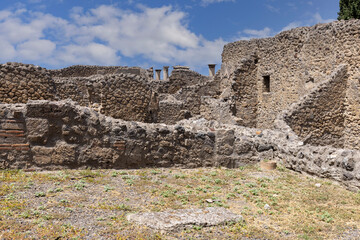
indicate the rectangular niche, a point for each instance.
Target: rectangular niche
{"x":266,"y":83}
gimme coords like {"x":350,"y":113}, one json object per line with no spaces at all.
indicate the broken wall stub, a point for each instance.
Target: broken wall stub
{"x":121,"y":96}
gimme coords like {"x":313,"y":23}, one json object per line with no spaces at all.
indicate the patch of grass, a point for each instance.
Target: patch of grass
{"x":40,"y":194}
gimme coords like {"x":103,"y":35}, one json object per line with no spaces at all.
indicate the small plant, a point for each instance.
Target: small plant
{"x":123,"y":207}
{"x":130,"y":182}
{"x":114,"y":174}
{"x":80,"y":185}
{"x":154,"y":172}
{"x":39,"y":194}
{"x":326,"y":217}
{"x":198,"y":228}
{"x":10,"y":196}
{"x":250,"y":185}
{"x":64,"y":201}
{"x":213,"y":174}
{"x":108,"y":188}
{"x":218,"y":181}
{"x":237,"y":183}
{"x":25,"y":214}
{"x":180,"y":176}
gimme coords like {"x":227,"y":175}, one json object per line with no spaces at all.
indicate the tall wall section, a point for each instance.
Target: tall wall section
{"x":291,"y":64}
{"x":318,"y":119}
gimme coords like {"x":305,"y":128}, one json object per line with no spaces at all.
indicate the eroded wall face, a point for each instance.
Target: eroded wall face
{"x":296,"y":61}
{"x":319,"y":119}
{"x":22,"y":82}
{"x":118,"y":96}
{"x":245,"y":93}
{"x":87,"y":71}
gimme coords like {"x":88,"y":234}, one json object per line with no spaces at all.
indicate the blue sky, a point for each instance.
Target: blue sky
{"x":60,"y":33}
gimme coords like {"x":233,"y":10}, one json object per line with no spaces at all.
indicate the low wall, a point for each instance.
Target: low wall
{"x":60,"y":135}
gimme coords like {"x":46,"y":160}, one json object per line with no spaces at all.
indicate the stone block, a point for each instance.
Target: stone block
{"x":184,"y":218}
{"x":37,"y":130}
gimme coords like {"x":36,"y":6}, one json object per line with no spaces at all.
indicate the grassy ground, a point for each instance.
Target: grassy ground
{"x":87,"y":204}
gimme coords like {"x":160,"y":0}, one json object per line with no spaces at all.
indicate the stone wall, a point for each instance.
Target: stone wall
{"x":180,"y":96}
{"x":294,"y":62}
{"x":61,"y":135}
{"x":318,"y":119}
{"x":87,"y":71}
{"x":123,"y":96}
{"x":23,"y":82}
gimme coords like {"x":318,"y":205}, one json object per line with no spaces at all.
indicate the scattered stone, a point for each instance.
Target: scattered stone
{"x":318,"y":185}
{"x":184,"y":218}
{"x":267,"y":207}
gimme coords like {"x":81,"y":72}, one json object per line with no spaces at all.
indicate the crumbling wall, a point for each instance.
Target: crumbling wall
{"x":22,"y":82}
{"x":58,"y":135}
{"x":122,"y":96}
{"x":244,"y":90}
{"x":180,"y":96}
{"x":293,"y":63}
{"x":61,"y":135}
{"x":87,"y":71}
{"x":318,"y":119}
{"x":179,"y":78}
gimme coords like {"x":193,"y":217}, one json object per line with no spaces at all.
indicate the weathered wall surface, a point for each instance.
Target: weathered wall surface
{"x":180,"y":96}
{"x":87,"y":71}
{"x":23,"y":82}
{"x":123,"y":96}
{"x":244,"y":90}
{"x":296,"y":61}
{"x":319,"y":118}
{"x":58,"y":135}
{"x":61,"y":135}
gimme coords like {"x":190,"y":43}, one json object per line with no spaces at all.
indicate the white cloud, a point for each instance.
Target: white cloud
{"x":272,"y":8}
{"x":103,"y":36}
{"x":291,"y":26}
{"x":268,"y":32}
{"x":248,"y":34}
{"x":36,"y":49}
{"x":318,"y":19}
{"x":207,"y":2}
{"x":314,"y":19}
{"x":86,"y":54}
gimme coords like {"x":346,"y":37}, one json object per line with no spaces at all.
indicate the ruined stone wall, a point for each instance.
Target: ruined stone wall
{"x":180,"y":96}
{"x":318,"y":119}
{"x":122,"y":96}
{"x":178,"y":79}
{"x":244,"y":90}
{"x":62,"y":135}
{"x":87,"y":71}
{"x":297,"y":60}
{"x":22,"y":82}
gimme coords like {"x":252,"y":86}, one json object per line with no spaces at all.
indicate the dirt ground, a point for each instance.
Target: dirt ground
{"x":93,"y":204}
